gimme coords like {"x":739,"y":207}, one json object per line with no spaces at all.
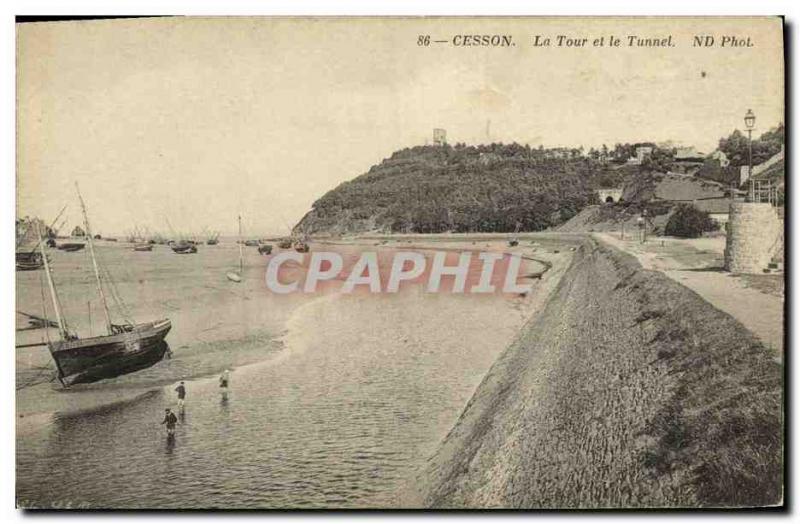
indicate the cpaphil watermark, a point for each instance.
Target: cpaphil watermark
{"x":381,"y":272}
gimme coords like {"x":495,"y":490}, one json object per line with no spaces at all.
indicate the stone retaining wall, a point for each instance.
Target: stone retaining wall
{"x":754,"y":231}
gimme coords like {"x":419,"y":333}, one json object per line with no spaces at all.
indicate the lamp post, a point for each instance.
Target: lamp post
{"x":749,"y":122}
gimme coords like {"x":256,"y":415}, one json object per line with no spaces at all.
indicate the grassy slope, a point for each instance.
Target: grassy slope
{"x":461,"y":189}
{"x":628,"y":390}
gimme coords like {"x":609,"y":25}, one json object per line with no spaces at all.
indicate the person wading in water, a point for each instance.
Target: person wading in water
{"x":171,"y":421}
{"x":181,"y":389}
{"x":224,"y":382}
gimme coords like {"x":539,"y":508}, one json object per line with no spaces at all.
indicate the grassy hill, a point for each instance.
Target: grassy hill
{"x":487,"y":188}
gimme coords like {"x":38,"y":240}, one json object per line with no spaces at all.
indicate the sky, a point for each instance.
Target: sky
{"x":178,"y":125}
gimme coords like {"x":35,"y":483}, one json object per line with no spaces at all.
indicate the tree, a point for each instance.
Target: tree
{"x":736,"y":146}
{"x":689,"y":222}
{"x":659,"y":160}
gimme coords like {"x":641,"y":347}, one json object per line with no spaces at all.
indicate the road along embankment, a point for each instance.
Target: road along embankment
{"x":627,"y":390}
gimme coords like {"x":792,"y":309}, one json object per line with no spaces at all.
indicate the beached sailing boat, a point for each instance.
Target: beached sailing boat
{"x":233,"y":276}
{"x":126,"y":348}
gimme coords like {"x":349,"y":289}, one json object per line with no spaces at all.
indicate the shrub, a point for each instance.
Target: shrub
{"x":689,"y":222}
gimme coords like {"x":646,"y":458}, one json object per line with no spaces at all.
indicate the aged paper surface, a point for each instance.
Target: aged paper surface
{"x":432,"y":263}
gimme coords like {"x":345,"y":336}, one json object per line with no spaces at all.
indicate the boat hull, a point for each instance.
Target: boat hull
{"x":29,"y":261}
{"x":71,"y":247}
{"x":92,"y":359}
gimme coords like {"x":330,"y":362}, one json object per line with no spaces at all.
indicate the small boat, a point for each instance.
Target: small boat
{"x":251,"y":243}
{"x":29,"y":261}
{"x":36,"y":322}
{"x":233,"y":276}
{"x":301,"y":247}
{"x":143,"y":247}
{"x":126,"y":347}
{"x":265,"y":249}
{"x":213,"y":239}
{"x":514,"y":241}
{"x":71,"y":246}
{"x":184,"y":248}
{"x":285,"y":243}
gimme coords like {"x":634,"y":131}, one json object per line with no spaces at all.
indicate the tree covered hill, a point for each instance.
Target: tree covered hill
{"x":486,"y":188}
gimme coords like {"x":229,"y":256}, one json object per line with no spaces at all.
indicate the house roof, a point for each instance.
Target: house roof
{"x":714,"y":205}
{"x":687,"y":153}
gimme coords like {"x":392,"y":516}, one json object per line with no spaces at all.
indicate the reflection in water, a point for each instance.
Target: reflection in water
{"x":170,"y":443}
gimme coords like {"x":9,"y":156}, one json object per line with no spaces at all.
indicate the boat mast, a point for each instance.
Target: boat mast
{"x":62,"y":326}
{"x":241,"y":262}
{"x":94,"y":261}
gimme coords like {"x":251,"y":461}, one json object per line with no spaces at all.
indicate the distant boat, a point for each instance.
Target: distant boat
{"x":126,"y":348}
{"x":251,"y":243}
{"x":36,"y":322}
{"x":301,"y":246}
{"x":265,"y":249}
{"x":71,"y":246}
{"x":213,"y":240}
{"x":285,"y":243}
{"x":233,"y":276}
{"x":29,"y":261}
{"x":514,"y":241}
{"x":143,"y":247}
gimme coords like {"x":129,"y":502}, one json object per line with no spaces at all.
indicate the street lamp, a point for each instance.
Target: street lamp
{"x":749,"y":122}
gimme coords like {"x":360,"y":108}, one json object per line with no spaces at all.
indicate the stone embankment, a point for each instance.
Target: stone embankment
{"x":626,"y":390}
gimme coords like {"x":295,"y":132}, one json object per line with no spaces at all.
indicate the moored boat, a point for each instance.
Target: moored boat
{"x":514,"y":240}
{"x":71,"y":246}
{"x":232,"y":275}
{"x":29,"y":261}
{"x":131,"y":348}
{"x":184,"y":248}
{"x":126,"y":347}
{"x":143,"y":247}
